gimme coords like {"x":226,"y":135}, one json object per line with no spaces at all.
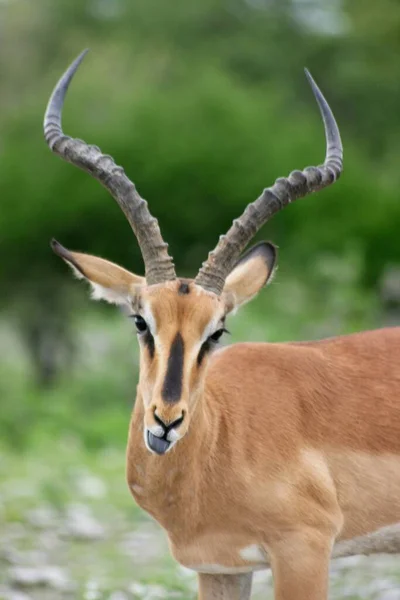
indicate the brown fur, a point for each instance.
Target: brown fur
{"x":285,"y":453}
{"x":306,"y":439}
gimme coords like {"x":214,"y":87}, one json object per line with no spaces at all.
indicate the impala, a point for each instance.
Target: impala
{"x":255,"y":454}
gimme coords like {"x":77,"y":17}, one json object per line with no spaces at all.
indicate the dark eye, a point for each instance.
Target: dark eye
{"x":140,"y":323}
{"x":216,"y":335}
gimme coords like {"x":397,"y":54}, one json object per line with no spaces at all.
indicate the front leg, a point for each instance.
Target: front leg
{"x":300,"y":565}
{"x":225,"y":587}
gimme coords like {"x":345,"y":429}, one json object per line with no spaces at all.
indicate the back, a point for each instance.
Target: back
{"x":342,"y":391}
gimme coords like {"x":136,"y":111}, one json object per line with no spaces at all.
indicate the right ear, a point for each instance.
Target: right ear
{"x":108,"y":281}
{"x":253,"y":270}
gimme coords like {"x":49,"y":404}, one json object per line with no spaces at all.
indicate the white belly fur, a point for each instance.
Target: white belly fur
{"x":255,"y":555}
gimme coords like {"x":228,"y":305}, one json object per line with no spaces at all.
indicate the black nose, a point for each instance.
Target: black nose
{"x":169,"y":426}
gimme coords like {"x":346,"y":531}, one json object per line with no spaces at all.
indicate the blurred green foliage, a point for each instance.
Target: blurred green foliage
{"x":204,"y":104}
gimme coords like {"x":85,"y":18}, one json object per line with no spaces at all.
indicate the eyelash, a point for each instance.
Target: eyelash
{"x":216,"y":336}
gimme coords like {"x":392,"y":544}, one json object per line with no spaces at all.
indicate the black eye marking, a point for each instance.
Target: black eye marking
{"x":183,"y":289}
{"x":172,"y":387}
{"x":210,"y":342}
{"x":149,"y":341}
{"x":145,"y":334}
{"x":203,"y":351}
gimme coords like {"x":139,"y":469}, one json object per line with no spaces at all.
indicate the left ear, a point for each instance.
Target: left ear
{"x":249,"y":275}
{"x":108,"y":281}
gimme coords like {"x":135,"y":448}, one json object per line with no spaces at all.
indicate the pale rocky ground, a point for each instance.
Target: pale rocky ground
{"x":69,"y":530}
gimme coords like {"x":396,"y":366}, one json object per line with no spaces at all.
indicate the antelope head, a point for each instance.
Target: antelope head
{"x":179,"y":322}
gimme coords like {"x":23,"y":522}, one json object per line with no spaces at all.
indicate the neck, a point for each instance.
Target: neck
{"x":158,"y":482}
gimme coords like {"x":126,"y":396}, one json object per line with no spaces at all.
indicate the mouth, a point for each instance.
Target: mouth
{"x":159,"y":445}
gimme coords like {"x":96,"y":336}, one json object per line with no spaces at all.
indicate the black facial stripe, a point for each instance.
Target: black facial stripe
{"x":183,"y":289}
{"x":149,"y":341}
{"x":172,"y":387}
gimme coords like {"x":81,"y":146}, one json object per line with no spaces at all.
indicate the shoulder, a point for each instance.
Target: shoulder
{"x":261,"y":359}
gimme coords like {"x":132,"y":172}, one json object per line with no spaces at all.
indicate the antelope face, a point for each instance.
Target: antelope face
{"x":179,"y":325}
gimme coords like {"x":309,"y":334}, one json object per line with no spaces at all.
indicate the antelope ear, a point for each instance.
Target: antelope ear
{"x":253,"y":270}
{"x":108,"y":281}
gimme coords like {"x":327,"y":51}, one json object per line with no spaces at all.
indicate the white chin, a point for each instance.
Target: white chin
{"x":171,"y":444}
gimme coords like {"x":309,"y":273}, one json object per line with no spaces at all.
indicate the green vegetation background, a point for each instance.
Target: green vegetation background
{"x":204,"y":103}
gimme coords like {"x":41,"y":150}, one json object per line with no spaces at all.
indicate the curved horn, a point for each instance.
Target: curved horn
{"x":159,"y":266}
{"x":221,"y":260}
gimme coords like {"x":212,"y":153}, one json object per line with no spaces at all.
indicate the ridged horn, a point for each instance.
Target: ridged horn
{"x":159,"y":266}
{"x":222,"y":259}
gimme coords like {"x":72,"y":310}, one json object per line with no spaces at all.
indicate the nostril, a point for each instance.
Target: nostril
{"x":172,"y":424}
{"x":177,"y":422}
{"x":159,"y":421}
